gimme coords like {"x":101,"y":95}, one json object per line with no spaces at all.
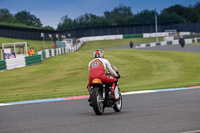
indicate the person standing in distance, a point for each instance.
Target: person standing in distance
{"x":31,"y":51}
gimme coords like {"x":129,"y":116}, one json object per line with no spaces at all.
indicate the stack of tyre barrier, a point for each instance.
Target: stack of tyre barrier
{"x":2,"y":65}
{"x":32,"y":60}
{"x":52,"y":52}
{"x":173,"y":42}
{"x":15,"y":63}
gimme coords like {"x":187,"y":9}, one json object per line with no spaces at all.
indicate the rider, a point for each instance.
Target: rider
{"x":98,"y":67}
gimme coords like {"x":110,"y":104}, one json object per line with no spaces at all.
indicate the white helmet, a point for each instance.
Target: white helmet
{"x":98,"y":54}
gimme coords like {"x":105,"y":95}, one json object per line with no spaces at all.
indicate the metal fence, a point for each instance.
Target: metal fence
{"x":24,"y":33}
{"x":35,"y":34}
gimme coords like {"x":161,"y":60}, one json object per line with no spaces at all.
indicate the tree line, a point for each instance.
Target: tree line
{"x":121,"y":15}
{"x":21,"y":19}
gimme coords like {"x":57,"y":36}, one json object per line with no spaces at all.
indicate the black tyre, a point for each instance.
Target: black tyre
{"x":118,"y":104}
{"x":97,"y":101}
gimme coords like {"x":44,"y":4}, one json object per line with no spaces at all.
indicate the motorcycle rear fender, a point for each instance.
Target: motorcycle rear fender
{"x":97,"y":81}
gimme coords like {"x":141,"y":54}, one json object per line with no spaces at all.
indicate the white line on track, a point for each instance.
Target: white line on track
{"x":196,"y":131}
{"x":138,"y":92}
{"x":78,"y":97}
{"x":2,"y":104}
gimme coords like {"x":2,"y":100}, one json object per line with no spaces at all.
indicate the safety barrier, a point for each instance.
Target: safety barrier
{"x":58,"y":51}
{"x":133,"y":36}
{"x":159,"y":34}
{"x":32,"y":60}
{"x":173,"y":42}
{"x":2,"y":65}
{"x":15,"y":63}
{"x":52,"y":52}
{"x":47,"y":53}
{"x":97,"y":38}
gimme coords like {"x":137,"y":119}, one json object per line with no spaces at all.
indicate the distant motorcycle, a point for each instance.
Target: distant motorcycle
{"x":131,"y":44}
{"x":101,"y":97}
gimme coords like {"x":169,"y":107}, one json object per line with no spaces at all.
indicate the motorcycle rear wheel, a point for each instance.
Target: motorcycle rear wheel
{"x":97,"y":101}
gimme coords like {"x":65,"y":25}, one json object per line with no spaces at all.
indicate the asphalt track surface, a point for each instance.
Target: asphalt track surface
{"x":160,"y":112}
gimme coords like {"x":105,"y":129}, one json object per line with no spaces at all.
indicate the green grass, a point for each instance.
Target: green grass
{"x":119,"y":42}
{"x":67,"y":75}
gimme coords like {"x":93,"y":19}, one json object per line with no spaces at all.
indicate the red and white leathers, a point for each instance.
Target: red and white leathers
{"x":98,"y":67}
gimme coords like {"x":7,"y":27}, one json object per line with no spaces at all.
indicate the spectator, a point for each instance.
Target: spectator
{"x":131,"y":44}
{"x":31,"y":52}
{"x":182,"y":41}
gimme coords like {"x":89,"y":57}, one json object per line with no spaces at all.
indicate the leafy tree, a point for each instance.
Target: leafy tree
{"x":25,"y":17}
{"x":6,"y":16}
{"x":145,"y":16}
{"x":167,"y":18}
{"x":48,"y":28}
{"x":123,"y":15}
{"x":90,"y":20}
{"x":197,"y":11}
{"x":65,"y":23}
{"x":119,"y":15}
{"x":186,"y":13}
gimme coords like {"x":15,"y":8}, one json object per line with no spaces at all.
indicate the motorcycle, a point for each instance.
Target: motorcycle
{"x":101,"y":96}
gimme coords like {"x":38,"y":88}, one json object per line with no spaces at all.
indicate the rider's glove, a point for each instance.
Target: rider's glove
{"x":118,"y":76}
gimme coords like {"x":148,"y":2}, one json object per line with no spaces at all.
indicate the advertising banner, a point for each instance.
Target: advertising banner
{"x":9,"y":55}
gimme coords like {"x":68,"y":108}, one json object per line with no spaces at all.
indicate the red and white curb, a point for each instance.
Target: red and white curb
{"x":87,"y":96}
